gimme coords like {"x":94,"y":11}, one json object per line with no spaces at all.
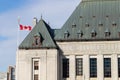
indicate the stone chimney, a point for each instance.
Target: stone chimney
{"x":34,"y":21}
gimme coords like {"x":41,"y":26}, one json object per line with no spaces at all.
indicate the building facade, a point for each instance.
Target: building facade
{"x":3,"y":76}
{"x":87,"y":47}
{"x":11,"y":73}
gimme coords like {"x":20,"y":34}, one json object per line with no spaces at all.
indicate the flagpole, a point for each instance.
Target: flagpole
{"x":18,"y":33}
{"x":18,"y":48}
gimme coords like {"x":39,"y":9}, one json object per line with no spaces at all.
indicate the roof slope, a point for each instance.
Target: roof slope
{"x":39,"y":37}
{"x":93,"y":20}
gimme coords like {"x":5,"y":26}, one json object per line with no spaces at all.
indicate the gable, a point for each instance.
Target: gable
{"x":39,"y":37}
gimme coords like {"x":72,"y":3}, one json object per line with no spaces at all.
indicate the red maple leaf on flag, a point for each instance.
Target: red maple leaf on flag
{"x":22,"y":27}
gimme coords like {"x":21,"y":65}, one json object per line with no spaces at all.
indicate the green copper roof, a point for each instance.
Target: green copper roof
{"x":92,"y":20}
{"x":40,"y":37}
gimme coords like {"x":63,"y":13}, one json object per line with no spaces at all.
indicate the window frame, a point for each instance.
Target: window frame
{"x":93,"y":67}
{"x":107,"y":67}
{"x":65,"y":67}
{"x":79,"y":66}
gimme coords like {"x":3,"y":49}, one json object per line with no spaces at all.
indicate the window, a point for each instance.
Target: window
{"x":35,"y":76}
{"x":107,"y":33}
{"x":93,"y":67}
{"x":37,"y":40}
{"x":66,"y":34}
{"x":118,"y":67}
{"x":13,"y":73}
{"x":79,"y":34}
{"x":114,"y":24}
{"x":65,"y":68}
{"x":73,"y":25}
{"x":107,"y":67}
{"x":93,"y":34}
{"x":87,"y":25}
{"x":36,"y":65}
{"x":79,"y":66}
{"x":100,"y":24}
{"x":119,"y":33}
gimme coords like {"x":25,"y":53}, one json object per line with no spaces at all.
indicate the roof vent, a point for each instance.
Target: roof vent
{"x":79,"y":34}
{"x":66,"y":34}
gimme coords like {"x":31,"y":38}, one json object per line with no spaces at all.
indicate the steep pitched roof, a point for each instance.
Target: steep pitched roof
{"x":39,"y":37}
{"x":97,"y":15}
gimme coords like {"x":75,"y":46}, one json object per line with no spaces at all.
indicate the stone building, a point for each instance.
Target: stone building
{"x":11,"y":73}
{"x":3,"y":76}
{"x":87,"y":47}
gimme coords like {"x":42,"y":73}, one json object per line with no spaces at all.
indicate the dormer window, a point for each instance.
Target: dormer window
{"x":94,"y":16}
{"x":100,"y":24}
{"x":87,"y":25}
{"x":73,"y":25}
{"x":79,"y":34}
{"x":107,"y":16}
{"x":37,"y":40}
{"x":93,"y":33}
{"x":114,"y":24}
{"x":119,"y":34}
{"x":66,"y":34}
{"x":81,"y":17}
{"x":107,"y":33}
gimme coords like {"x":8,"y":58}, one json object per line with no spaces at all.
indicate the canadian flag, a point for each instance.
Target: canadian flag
{"x":22,"y":27}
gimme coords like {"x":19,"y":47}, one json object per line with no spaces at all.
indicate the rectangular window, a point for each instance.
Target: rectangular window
{"x":118,"y":67}
{"x":65,"y":68}
{"x":35,"y":76}
{"x":79,"y":66}
{"x":93,"y":67}
{"x":36,"y":65}
{"x":107,"y":67}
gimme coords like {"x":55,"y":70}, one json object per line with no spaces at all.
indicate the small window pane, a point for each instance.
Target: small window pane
{"x":36,"y":65}
{"x":36,"y":77}
{"x":79,"y":66}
